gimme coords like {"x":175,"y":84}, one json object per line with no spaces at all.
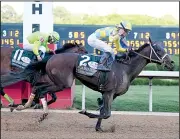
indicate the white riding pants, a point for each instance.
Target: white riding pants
{"x":29,"y":47}
{"x":98,"y":44}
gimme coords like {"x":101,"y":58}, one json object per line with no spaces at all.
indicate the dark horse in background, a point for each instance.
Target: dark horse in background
{"x":7,"y":68}
{"x":62,"y":69}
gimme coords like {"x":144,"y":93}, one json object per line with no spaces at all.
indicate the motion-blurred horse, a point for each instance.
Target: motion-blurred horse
{"x":13,"y":61}
{"x":62,"y":69}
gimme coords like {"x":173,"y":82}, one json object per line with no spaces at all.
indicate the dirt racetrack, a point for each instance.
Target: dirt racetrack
{"x":24,"y":125}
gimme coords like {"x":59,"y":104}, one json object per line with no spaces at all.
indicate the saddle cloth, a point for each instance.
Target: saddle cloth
{"x":87,"y":64}
{"x":21,"y":58}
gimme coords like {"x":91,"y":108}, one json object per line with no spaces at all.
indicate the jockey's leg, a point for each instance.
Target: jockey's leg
{"x":108,"y":52}
{"x":42,"y":51}
{"x":27,"y":46}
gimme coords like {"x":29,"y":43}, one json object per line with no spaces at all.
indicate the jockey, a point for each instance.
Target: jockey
{"x":115,"y":34}
{"x":38,"y":43}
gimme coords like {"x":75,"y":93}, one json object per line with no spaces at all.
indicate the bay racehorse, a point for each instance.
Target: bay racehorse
{"x":62,"y":69}
{"x":7,"y":68}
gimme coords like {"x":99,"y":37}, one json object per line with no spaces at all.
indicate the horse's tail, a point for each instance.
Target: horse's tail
{"x":12,"y":78}
{"x":30,"y":74}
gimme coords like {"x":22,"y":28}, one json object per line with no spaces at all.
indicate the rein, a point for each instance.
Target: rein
{"x":160,"y":60}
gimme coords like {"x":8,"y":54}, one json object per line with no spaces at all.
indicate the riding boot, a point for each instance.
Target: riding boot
{"x":103,"y":62}
{"x":35,"y":57}
{"x":41,"y":54}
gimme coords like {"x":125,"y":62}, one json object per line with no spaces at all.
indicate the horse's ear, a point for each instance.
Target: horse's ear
{"x":80,"y":44}
{"x":75,"y":43}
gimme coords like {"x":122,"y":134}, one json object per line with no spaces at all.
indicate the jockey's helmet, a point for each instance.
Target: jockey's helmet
{"x":125,"y":25}
{"x":54,"y":37}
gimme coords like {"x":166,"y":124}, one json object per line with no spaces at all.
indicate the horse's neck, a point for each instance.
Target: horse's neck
{"x":138,"y":63}
{"x":62,"y":50}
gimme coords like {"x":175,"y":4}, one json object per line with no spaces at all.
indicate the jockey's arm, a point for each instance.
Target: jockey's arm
{"x":125,"y":42}
{"x":36,"y":47}
{"x":116,"y":40}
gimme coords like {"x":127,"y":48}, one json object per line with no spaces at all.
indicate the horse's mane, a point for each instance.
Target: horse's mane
{"x":65,"y":47}
{"x":156,"y":44}
{"x":142,"y":47}
{"x":131,"y":54}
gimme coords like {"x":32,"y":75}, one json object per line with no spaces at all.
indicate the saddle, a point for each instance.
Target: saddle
{"x":21,"y":58}
{"x":87,"y":65}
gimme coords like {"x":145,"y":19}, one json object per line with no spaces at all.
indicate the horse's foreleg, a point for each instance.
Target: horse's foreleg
{"x":100,"y":101}
{"x":53,"y":96}
{"x":44,"y":104}
{"x":49,"y":88}
{"x":30,"y":100}
{"x":98,"y":124}
{"x":43,"y":90}
{"x":28,"y":104}
{"x":107,"y":100}
{"x":105,"y":111}
{"x":53,"y":99}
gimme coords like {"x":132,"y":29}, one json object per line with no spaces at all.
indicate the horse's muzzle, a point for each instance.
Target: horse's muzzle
{"x":170,"y":66}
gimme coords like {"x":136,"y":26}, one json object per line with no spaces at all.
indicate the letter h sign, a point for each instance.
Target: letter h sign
{"x":36,"y":8}
{"x":38,"y":16}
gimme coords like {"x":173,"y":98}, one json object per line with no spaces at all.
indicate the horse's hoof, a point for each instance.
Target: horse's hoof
{"x":11,"y":109}
{"x":82,"y":112}
{"x":99,"y":130}
{"x":11,"y":104}
{"x":20,"y":107}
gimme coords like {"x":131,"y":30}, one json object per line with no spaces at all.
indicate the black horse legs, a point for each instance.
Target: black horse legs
{"x":105,"y":111}
{"x":100,"y":101}
{"x":53,"y":98}
{"x":98,"y":124}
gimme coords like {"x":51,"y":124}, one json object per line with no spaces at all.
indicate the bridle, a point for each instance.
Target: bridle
{"x":160,"y":59}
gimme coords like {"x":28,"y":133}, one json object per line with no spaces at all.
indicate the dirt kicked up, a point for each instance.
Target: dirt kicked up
{"x":24,"y":125}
